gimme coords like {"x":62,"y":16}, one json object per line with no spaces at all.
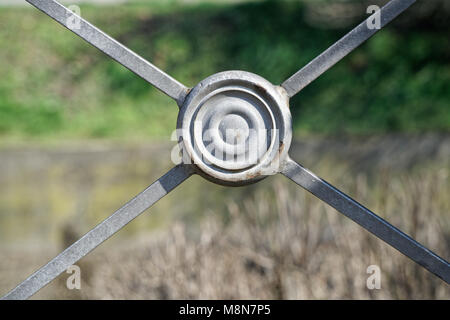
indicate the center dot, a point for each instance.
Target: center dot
{"x":233,"y":129}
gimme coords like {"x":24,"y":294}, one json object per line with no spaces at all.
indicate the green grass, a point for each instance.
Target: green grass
{"x":53,"y":85}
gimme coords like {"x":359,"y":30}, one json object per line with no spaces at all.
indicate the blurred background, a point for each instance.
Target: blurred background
{"x":80,"y":135}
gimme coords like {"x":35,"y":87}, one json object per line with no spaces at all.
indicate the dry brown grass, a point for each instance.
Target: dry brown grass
{"x":270,"y":240}
{"x":285,"y":244}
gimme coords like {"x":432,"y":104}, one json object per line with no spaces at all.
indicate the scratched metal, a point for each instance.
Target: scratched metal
{"x":234,"y":100}
{"x":367,"y":219}
{"x":249,"y":123}
{"x":100,"y":233}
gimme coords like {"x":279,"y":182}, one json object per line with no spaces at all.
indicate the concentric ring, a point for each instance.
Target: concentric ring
{"x":234,"y":126}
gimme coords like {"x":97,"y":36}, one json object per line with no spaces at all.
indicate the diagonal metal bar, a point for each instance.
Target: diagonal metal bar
{"x":100,"y":233}
{"x":344,"y":46}
{"x":367,"y":219}
{"x":112,"y":48}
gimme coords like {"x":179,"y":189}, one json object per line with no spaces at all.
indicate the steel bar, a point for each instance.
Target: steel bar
{"x":100,"y":233}
{"x":344,"y":46}
{"x":112,"y":48}
{"x":367,"y":219}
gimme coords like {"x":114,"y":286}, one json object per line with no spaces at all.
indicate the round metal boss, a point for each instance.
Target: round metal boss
{"x":235,"y":127}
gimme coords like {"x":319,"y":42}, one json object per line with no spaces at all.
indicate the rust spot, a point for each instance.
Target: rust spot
{"x":280,"y":151}
{"x":281,"y":148}
{"x":282,"y":91}
{"x":250,"y":176}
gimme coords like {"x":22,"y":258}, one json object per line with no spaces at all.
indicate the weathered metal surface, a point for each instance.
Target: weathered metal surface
{"x":367,"y":219}
{"x":343,"y":47}
{"x":101,"y":232}
{"x":232,"y":126}
{"x":112,"y":48}
{"x":235,"y":102}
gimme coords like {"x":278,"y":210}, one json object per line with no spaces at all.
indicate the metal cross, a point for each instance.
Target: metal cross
{"x":235,"y":101}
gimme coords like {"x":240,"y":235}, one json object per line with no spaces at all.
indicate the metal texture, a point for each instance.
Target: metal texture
{"x":234,"y":128}
{"x":101,"y":232}
{"x":344,"y":46}
{"x":367,"y":219}
{"x":114,"y":49}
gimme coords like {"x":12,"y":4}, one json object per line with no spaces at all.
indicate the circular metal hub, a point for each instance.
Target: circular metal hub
{"x":235,"y":127}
